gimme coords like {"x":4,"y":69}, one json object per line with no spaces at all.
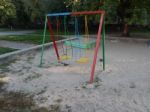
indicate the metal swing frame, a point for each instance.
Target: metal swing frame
{"x":100,"y":36}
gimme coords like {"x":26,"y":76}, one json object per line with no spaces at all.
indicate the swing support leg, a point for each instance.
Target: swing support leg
{"x":96,"y":49}
{"x":53,"y":39}
{"x":103,"y":44}
{"x":43,"y":42}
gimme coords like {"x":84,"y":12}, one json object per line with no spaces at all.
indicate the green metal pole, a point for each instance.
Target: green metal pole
{"x":43,"y":42}
{"x":65,"y":29}
{"x":103,"y":44}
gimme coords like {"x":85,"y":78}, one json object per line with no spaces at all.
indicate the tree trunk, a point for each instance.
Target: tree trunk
{"x":126,"y":30}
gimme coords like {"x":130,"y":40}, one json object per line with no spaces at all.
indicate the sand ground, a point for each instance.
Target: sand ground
{"x":123,"y":87}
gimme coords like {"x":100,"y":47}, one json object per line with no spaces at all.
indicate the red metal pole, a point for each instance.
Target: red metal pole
{"x":58,"y":27}
{"x":53,"y":39}
{"x":96,"y":48}
{"x":87,"y":13}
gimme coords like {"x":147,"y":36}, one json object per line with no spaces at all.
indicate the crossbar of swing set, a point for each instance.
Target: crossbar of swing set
{"x":76,"y":13}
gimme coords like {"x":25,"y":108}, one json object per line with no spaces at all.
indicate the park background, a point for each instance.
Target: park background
{"x":124,"y":18}
{"x":26,"y":87}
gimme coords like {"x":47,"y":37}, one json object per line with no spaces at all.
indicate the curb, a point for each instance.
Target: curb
{"x":127,"y":39}
{"x":4,"y":58}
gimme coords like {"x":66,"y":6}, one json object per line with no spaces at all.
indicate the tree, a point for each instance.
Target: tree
{"x":81,"y":5}
{"x":7,"y":10}
{"x":22,"y":17}
{"x":53,"y":6}
{"x":38,"y":8}
{"x":124,"y":12}
{"x":35,"y":10}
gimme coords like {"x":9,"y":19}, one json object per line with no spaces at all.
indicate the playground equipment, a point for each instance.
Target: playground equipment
{"x":79,"y":45}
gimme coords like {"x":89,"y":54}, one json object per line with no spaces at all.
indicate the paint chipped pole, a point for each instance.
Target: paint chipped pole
{"x":53,"y":39}
{"x":103,"y":44}
{"x":96,"y":48}
{"x":43,"y":42}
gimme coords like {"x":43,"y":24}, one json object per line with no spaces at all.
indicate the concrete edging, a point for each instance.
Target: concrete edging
{"x":127,"y":39}
{"x":13,"y":55}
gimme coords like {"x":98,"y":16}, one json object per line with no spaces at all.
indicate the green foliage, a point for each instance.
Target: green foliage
{"x":129,"y":11}
{"x":38,"y":8}
{"x":31,"y":10}
{"x":81,"y":5}
{"x":110,"y":6}
{"x":22,"y":17}
{"x":117,"y":11}
{"x":7,"y":10}
{"x":54,"y":6}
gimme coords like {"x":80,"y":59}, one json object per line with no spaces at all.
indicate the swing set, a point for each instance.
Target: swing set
{"x":78,"y":46}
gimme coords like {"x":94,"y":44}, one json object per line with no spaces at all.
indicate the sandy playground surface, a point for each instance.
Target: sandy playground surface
{"x":123,"y":87}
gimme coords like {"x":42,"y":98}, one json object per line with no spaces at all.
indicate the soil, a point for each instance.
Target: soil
{"x":123,"y":87}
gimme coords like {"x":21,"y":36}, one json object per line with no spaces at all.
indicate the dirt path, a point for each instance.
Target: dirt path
{"x":5,"y":33}
{"x":15,"y":45}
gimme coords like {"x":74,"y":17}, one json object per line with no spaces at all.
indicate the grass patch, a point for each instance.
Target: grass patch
{"x":35,"y":38}
{"x":4,"y":50}
{"x":140,"y":30}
